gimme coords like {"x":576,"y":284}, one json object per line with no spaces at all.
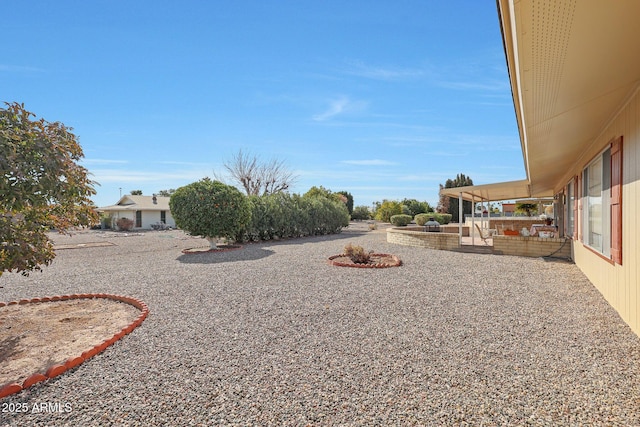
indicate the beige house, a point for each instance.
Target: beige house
{"x":574,"y":67}
{"x":144,"y":211}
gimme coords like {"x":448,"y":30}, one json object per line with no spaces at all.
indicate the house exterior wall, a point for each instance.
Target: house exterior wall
{"x":153,"y":217}
{"x":619,"y":284}
{"x":148,"y":218}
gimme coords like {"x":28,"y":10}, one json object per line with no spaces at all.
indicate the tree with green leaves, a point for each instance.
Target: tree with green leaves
{"x":42,"y":185}
{"x":526,"y":208}
{"x":210,"y":209}
{"x":349,"y":203}
{"x":461,"y":180}
{"x":136,"y":193}
{"x":166,"y":193}
{"x":361,"y":213}
{"x":414,"y":207}
{"x":387,"y":209}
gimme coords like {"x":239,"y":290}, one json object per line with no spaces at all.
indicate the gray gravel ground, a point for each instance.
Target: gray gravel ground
{"x":272,"y":335}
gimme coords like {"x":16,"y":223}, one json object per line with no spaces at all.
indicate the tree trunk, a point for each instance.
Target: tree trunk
{"x":212,"y":242}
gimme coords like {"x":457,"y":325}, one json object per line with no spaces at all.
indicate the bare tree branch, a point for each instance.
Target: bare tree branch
{"x":257,"y":177}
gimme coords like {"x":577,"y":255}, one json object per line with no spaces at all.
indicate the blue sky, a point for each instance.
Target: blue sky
{"x":384,"y":99}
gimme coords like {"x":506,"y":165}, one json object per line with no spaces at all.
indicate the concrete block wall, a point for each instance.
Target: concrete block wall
{"x":531,"y":246}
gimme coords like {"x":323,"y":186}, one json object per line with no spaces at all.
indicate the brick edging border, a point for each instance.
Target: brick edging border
{"x":396,"y":262}
{"x":72,"y":362}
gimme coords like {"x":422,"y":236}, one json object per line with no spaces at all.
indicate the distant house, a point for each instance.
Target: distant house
{"x":144,"y":211}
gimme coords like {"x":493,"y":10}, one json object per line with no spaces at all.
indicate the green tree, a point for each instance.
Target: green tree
{"x":349,"y":200}
{"x":526,"y":208}
{"x":360,"y":213}
{"x":136,"y":192}
{"x":414,"y":207}
{"x":320,"y":191}
{"x":210,"y":209}
{"x":460,"y":181}
{"x":166,"y":193}
{"x":387,"y":209}
{"x":42,"y":188}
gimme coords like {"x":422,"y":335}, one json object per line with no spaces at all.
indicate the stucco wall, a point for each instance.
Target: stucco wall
{"x":148,"y":218}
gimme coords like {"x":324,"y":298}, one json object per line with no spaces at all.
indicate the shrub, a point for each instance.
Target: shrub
{"x":401,"y":220}
{"x":357,"y":254}
{"x":281,"y":215}
{"x":361,"y":213}
{"x":387,"y":209}
{"x":421,"y":219}
{"x":124,"y":224}
{"x":210,"y":209}
{"x":442,"y":218}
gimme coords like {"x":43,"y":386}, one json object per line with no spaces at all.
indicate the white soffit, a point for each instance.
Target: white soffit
{"x":572,"y":65}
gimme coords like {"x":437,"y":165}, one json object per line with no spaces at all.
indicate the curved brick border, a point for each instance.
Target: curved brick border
{"x":396,"y":262}
{"x":221,"y":248}
{"x":72,"y":362}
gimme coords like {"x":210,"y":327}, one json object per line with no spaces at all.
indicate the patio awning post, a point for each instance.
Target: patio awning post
{"x":460,"y":216}
{"x":473,"y":220}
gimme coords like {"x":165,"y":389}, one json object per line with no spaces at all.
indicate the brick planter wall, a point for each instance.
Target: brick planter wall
{"x":531,"y":246}
{"x":413,"y":236}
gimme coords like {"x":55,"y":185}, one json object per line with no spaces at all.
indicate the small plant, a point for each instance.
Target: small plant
{"x":124,"y":224}
{"x":357,"y":254}
{"x":401,"y":220}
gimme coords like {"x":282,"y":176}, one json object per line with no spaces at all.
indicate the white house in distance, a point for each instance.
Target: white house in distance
{"x":144,"y":211}
{"x":574,"y":68}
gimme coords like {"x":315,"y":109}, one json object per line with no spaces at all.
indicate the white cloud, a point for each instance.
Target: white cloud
{"x":358,"y":68}
{"x":341,"y":106}
{"x":335,"y":107}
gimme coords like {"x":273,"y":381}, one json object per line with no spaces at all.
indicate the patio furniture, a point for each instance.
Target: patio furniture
{"x":483,"y":236}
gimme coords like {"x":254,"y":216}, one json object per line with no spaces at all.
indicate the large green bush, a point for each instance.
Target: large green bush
{"x":281,"y":216}
{"x":401,"y":220}
{"x":210,"y":209}
{"x":360,"y":213}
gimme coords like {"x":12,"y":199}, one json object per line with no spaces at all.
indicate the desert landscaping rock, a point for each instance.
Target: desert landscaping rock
{"x":273,"y":335}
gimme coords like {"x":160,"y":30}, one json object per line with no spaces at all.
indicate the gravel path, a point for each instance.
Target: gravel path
{"x":272,"y":335}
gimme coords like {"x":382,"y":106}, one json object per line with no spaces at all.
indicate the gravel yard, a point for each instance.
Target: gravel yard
{"x":272,"y":335}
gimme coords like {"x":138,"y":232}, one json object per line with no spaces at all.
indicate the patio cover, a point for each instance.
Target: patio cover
{"x":510,"y":190}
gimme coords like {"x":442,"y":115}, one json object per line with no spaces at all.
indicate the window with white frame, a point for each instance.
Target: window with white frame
{"x":597,"y":216}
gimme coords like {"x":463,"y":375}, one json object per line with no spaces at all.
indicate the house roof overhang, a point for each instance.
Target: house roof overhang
{"x":510,"y":190}
{"x":572,"y":66}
